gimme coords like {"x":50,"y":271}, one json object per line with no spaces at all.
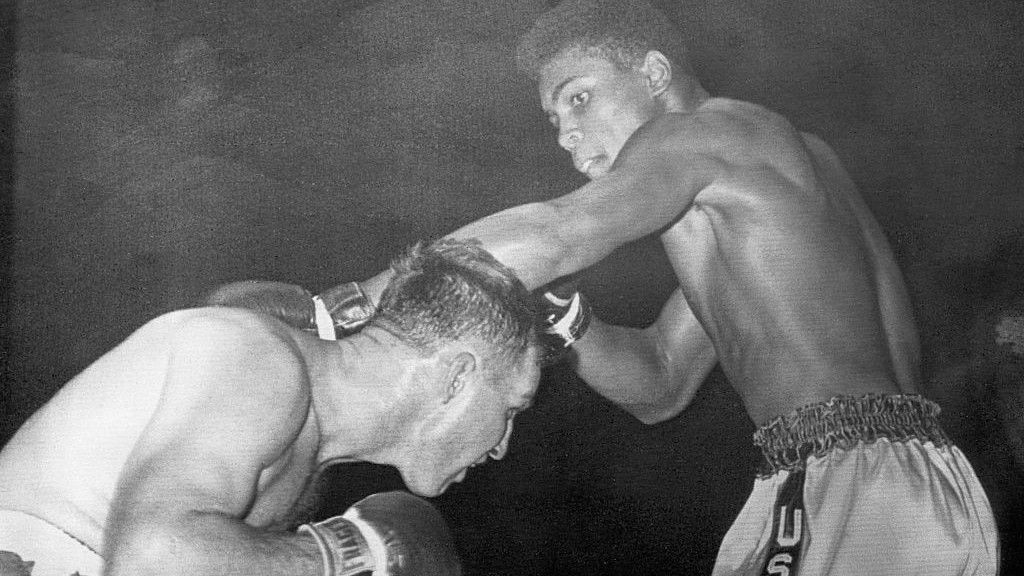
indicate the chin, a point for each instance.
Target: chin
{"x":426,"y":490}
{"x":432,"y":493}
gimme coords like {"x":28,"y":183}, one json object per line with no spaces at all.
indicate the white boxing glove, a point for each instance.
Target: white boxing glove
{"x":386,"y":534}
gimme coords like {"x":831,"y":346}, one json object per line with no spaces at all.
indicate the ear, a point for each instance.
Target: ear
{"x":658,"y":71}
{"x":459,"y":372}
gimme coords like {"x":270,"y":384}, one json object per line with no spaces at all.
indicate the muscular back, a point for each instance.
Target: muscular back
{"x":785,"y":268}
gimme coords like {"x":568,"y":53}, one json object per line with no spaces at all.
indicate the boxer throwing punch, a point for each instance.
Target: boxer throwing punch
{"x":186,"y":448}
{"x":785,"y":279}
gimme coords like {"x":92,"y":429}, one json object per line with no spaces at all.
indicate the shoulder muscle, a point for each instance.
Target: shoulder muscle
{"x":235,"y":397}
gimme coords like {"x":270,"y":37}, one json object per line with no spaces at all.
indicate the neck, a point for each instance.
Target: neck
{"x":361,"y":399}
{"x":685,"y":96}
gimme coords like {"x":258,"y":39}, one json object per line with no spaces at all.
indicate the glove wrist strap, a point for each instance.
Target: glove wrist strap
{"x":322,"y":319}
{"x":347,"y":306}
{"x":374,"y":541}
{"x":343,"y":548}
{"x":571,"y":326}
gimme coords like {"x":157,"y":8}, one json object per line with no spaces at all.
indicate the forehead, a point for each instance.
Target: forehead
{"x":571,"y":65}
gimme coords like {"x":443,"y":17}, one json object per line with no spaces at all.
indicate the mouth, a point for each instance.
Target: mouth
{"x":589,"y":164}
{"x":585,"y":164}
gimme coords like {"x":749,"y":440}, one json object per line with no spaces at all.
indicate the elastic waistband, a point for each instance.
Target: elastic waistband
{"x":844,"y":421}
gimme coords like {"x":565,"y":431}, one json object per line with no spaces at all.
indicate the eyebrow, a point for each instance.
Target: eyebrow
{"x":561,"y":86}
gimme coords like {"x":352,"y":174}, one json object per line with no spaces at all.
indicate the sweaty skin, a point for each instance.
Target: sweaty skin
{"x":141,"y":443}
{"x":785,"y":278}
{"x":196,"y":437}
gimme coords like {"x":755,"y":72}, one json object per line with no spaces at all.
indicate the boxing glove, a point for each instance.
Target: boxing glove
{"x":386,"y":534}
{"x":347,"y":306}
{"x":338,"y":311}
{"x":564,"y":317}
{"x":291,"y":303}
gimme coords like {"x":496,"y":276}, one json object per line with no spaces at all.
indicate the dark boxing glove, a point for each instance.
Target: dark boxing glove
{"x":386,"y":534}
{"x":338,"y":311}
{"x":291,"y":303}
{"x":346,"y":306}
{"x":564,"y":317}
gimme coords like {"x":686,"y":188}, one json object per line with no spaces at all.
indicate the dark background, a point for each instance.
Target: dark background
{"x":152,"y":149}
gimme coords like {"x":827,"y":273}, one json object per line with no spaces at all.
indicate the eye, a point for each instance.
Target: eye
{"x":579,"y":99}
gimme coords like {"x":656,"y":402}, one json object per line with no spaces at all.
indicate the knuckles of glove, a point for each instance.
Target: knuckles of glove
{"x":291,"y":303}
{"x":411,"y":536}
{"x":415,"y":534}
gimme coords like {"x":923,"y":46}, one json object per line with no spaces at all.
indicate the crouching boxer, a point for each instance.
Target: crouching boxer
{"x":188,"y":447}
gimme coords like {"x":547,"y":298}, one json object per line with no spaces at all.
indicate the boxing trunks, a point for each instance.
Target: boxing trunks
{"x":32,"y":546}
{"x":866,"y":486}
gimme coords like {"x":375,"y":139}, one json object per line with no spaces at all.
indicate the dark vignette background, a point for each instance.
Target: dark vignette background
{"x":161,"y":147}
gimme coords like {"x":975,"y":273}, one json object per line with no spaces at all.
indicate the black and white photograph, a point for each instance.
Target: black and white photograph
{"x":511,"y":288}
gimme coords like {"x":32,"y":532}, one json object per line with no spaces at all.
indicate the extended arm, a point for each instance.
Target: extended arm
{"x":234,"y":400}
{"x":654,"y":180}
{"x":652,"y":373}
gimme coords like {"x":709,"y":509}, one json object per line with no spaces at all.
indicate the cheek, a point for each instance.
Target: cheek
{"x":616,"y":124}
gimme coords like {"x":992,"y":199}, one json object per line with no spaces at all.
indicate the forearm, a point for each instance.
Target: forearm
{"x":629,"y":367}
{"x":209,"y":543}
{"x":532,"y":240}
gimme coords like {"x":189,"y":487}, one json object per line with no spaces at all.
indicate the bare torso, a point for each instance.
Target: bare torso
{"x":789,"y":274}
{"x":64,"y":464}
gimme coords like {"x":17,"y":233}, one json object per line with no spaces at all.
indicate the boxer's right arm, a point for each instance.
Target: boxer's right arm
{"x":652,"y":373}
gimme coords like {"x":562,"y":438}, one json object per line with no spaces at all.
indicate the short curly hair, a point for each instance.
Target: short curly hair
{"x":620,"y":31}
{"x":455,"y":291}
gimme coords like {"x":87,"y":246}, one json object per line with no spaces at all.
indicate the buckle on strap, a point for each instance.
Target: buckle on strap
{"x":347,"y":306}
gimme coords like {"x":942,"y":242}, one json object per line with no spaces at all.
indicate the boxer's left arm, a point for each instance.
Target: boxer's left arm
{"x":652,"y":373}
{"x":234,"y":400}
{"x":336,"y":312}
{"x":655,"y":179}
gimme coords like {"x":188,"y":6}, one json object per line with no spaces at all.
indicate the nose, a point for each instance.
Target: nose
{"x":569,"y":137}
{"x":499,"y":451}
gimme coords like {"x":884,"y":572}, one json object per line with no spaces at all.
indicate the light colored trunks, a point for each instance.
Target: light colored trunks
{"x":866,"y":486}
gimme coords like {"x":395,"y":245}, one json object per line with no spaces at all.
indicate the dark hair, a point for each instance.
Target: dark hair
{"x":452,"y":290}
{"x":620,"y":31}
